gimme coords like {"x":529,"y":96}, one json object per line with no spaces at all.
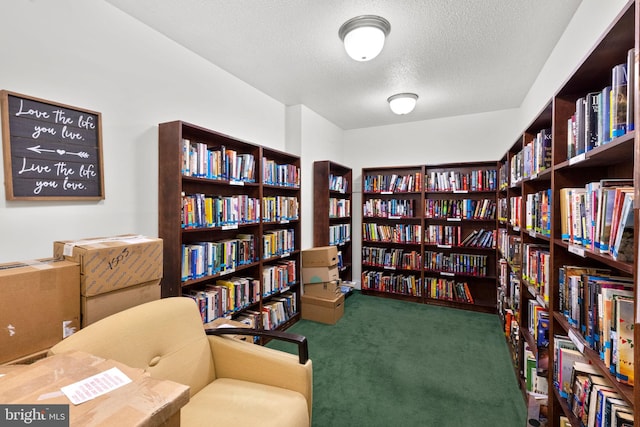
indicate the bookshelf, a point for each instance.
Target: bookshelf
{"x":392,"y":227}
{"x":551,"y":253}
{"x":460,"y":209}
{"x":229,"y":218}
{"x":429,"y":234}
{"x":332,"y":211}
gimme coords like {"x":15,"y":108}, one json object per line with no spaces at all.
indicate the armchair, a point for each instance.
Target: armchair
{"x":231,"y":382}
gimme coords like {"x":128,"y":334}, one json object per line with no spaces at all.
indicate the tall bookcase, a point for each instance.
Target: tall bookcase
{"x":429,"y":234}
{"x":229,"y":213}
{"x":332,"y":216}
{"x":537,"y":228}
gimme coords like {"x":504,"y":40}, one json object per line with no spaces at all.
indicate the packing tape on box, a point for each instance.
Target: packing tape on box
{"x":40,"y":264}
{"x":138,"y":238}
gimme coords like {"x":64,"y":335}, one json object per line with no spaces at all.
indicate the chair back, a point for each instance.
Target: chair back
{"x":164,"y":337}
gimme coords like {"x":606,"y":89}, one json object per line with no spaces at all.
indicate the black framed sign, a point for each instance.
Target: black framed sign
{"x":51,"y":151}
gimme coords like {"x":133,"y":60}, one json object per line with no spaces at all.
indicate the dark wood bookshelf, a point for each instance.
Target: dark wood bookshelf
{"x":479,"y":290}
{"x":617,"y":158}
{"x":174,"y":185}
{"x":323,"y":221}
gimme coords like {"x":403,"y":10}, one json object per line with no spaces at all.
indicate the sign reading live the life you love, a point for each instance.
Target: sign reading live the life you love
{"x":51,"y":151}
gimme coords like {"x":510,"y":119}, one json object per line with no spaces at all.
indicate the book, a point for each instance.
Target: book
{"x":624,"y":307}
{"x":592,"y":125}
{"x":566,"y":358}
{"x":619,"y":100}
{"x":622,"y":249}
{"x":580,"y":126}
{"x":605,"y":98}
{"x":631,"y":88}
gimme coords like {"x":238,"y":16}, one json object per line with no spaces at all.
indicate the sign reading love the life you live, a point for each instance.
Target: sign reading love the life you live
{"x":51,"y":151}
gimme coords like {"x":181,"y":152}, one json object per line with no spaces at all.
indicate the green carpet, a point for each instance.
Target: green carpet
{"x":396,"y":363}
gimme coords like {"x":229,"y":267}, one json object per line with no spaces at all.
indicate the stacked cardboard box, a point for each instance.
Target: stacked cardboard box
{"x":39,"y":306}
{"x":116,"y":273}
{"x":322,"y":300}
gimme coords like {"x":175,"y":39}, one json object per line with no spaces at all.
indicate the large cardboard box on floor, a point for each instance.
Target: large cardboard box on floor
{"x":111,"y":263}
{"x":325,"y":290}
{"x":320,"y":274}
{"x":39,"y":305}
{"x":103,"y":305}
{"x":323,"y":310}
{"x":323,"y":256}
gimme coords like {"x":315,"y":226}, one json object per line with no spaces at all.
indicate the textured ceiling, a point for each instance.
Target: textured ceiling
{"x":460,"y":57}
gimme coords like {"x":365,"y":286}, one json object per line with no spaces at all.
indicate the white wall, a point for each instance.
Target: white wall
{"x":90,"y":55}
{"x":485,"y":136}
{"x":474,"y":137}
{"x":321,"y":140}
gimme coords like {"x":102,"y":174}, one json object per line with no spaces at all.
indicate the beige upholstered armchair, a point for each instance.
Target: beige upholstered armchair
{"x":232,"y":382}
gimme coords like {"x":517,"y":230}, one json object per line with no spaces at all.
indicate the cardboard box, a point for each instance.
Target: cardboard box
{"x":324,"y":256}
{"x":39,"y":305}
{"x":111,"y":263}
{"x":324,"y":290}
{"x":146,"y":401}
{"x":322,"y":310}
{"x":100,"y":306}
{"x":320,"y":274}
{"x":223,"y":322}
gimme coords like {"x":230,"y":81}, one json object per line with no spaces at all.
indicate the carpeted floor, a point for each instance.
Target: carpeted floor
{"x":396,"y":363}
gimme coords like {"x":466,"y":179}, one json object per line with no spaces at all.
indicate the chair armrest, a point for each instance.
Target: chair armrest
{"x":299,"y":340}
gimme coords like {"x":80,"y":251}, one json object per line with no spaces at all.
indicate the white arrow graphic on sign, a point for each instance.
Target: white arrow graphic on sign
{"x":39,"y":150}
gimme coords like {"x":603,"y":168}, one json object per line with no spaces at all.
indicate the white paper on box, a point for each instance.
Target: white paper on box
{"x":97,"y":385}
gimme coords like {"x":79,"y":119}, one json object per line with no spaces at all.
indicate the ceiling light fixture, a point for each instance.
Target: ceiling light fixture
{"x":402,"y":103}
{"x":363,"y":36}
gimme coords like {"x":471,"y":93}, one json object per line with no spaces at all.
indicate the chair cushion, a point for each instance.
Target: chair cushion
{"x":228,"y":402}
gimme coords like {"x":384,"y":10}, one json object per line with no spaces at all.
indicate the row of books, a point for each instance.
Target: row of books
{"x":339,"y":208}
{"x":467,"y":264}
{"x":406,"y":284}
{"x":199,"y":210}
{"x":476,"y":180}
{"x":589,"y":395}
{"x":280,"y":208}
{"x":538,"y":212}
{"x":284,"y":175}
{"x":278,"y":243}
{"x":393,"y":183}
{"x":515,"y":211}
{"x":399,"y":233}
{"x":510,"y":247}
{"x":274,"y":313}
{"x":339,"y":234}
{"x":201,"y":161}
{"x":448,"y":290}
{"x":533,"y":158}
{"x":460,"y":208}
{"x":599,"y":217}
{"x":394,"y":208}
{"x":225,"y":297}
{"x":509,"y":289}
{"x":277,"y":277}
{"x":603,"y":115}
{"x":502,"y":209}
{"x":504,"y":175}
{"x":596,"y":304}
{"x":338,"y":183}
{"x":451,"y":235}
{"x":279,"y":310}
{"x":536,"y":261}
{"x":391,"y":258}
{"x":202,"y":259}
